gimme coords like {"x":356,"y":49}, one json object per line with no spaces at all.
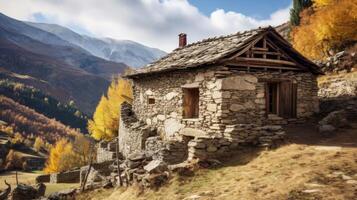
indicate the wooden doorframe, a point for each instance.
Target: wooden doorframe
{"x":292,"y":93}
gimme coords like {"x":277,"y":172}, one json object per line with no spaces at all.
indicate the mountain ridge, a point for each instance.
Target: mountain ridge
{"x":126,"y":51}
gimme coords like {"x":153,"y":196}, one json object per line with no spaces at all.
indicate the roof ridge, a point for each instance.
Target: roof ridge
{"x":239,"y":33}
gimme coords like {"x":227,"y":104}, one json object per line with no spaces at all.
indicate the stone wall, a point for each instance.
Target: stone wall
{"x":244,"y":97}
{"x":43,"y":178}
{"x":235,"y":137}
{"x":106,"y":151}
{"x":132,"y":132}
{"x":98,"y":171}
{"x":172,"y":152}
{"x":338,"y":91}
{"x":65,"y":177}
{"x":227,"y":97}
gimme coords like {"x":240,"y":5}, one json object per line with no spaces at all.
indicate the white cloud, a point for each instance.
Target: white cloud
{"x":152,"y":22}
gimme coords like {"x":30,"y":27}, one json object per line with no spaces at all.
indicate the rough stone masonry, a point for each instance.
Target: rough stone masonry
{"x":239,"y":84}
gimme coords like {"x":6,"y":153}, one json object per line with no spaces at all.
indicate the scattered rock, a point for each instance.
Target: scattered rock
{"x":24,"y":192}
{"x":64,"y":194}
{"x":138,"y":156}
{"x":193,"y":197}
{"x":336,"y":118}
{"x":156,"y":166}
{"x":345,"y":177}
{"x":311,"y":191}
{"x":353,"y":182}
{"x":327,"y":130}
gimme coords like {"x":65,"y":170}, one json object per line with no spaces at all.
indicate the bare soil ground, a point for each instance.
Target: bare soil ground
{"x":307,"y":167}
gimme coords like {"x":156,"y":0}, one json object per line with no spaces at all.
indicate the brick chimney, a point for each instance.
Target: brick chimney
{"x":182,"y":40}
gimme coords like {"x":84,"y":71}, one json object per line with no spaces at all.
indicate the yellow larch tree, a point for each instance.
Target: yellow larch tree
{"x":55,"y":162}
{"x":330,"y":25}
{"x":105,"y":122}
{"x":39,"y":143}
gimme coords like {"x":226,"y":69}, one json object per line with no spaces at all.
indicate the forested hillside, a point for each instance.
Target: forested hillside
{"x":29,"y":124}
{"x":31,"y":97}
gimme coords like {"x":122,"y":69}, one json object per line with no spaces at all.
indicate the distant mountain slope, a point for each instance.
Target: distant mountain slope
{"x":125,"y":51}
{"x":61,"y":69}
{"x":82,"y":87}
{"x":28,"y":37}
{"x":28,"y":122}
{"x":33,"y":98}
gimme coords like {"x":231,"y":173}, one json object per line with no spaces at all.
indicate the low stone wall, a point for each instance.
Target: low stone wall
{"x":43,"y":178}
{"x":98,"y":169}
{"x":235,"y":136}
{"x":172,"y":152}
{"x":65,"y":177}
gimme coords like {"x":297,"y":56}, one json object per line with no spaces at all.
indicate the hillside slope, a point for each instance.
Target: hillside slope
{"x":306,"y":168}
{"x":29,"y":123}
{"x":33,"y":98}
{"x":124,"y":51}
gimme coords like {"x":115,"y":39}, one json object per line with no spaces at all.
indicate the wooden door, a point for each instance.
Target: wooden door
{"x":190,"y":102}
{"x":287,"y":99}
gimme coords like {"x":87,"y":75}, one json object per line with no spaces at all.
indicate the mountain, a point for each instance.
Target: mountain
{"x":125,"y":51}
{"x":61,"y":69}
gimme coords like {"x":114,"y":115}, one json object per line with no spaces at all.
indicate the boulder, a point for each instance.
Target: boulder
{"x":155,"y":180}
{"x":137,"y":156}
{"x":41,"y":189}
{"x":132,"y":164}
{"x":327,"y":129}
{"x":336,"y":118}
{"x":156,"y":166}
{"x":24,"y":192}
{"x":64,"y":194}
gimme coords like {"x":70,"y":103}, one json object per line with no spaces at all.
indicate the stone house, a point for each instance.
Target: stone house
{"x":232,"y":88}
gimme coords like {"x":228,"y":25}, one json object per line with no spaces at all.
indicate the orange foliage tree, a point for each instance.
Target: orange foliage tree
{"x":105,"y":122}
{"x":328,"y":25}
{"x":66,"y":155}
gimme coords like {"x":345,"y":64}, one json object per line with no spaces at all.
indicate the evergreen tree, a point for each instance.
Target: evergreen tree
{"x":298,"y":6}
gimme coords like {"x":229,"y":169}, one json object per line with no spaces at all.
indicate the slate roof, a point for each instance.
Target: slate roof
{"x":210,"y":51}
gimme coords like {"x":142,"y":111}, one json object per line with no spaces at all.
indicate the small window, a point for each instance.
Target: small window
{"x":151,"y":100}
{"x":190,"y":102}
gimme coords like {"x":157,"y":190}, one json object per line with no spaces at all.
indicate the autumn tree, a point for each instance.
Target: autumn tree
{"x":298,"y":7}
{"x":330,"y":25}
{"x":66,"y":155}
{"x":105,"y":122}
{"x":39,"y":143}
{"x":61,"y":148}
{"x":13,"y":160}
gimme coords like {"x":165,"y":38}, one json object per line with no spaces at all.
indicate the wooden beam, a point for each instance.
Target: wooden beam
{"x":282,"y":62}
{"x":269,"y":42}
{"x":267,"y":53}
{"x":264,"y":67}
{"x":259,"y":49}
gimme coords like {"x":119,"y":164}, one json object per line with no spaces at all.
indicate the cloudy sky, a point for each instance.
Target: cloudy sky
{"x":155,"y":23}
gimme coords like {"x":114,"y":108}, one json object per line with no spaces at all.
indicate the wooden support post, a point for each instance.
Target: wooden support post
{"x":17,"y":180}
{"x":89,"y":168}
{"x":118,"y":164}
